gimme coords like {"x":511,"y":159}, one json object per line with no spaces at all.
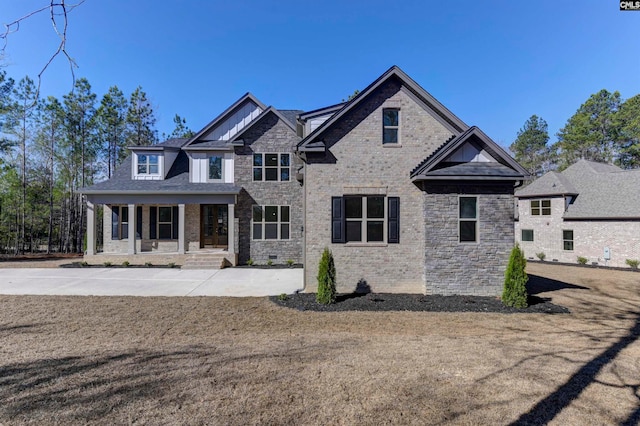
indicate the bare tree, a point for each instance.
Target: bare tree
{"x":59,"y":14}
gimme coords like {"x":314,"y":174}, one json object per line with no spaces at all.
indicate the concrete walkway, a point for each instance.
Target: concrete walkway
{"x":237,"y":282}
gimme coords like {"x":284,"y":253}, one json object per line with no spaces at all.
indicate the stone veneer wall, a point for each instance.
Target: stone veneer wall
{"x":357,"y":163}
{"x":590,"y":237}
{"x":270,"y":135}
{"x":452,"y":267}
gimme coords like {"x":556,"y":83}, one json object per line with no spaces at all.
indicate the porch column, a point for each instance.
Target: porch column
{"x":231,"y":229}
{"x":180,"y":228}
{"x":91,"y":229}
{"x":132,"y":229}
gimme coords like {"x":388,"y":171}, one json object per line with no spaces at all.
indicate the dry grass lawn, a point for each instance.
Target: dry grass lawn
{"x":125,"y":360}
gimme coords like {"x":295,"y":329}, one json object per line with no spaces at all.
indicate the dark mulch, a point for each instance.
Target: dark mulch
{"x":415,"y":302}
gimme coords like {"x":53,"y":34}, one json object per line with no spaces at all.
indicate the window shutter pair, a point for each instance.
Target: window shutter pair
{"x":338,"y":220}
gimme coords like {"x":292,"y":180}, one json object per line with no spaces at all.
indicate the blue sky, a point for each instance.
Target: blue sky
{"x":493,"y":63}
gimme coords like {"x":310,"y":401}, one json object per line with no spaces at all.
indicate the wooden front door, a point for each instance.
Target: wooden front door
{"x":214,"y":225}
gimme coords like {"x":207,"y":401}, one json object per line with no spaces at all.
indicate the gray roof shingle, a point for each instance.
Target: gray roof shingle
{"x":603,"y":191}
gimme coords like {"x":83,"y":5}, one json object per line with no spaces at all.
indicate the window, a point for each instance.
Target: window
{"x":215,"y":167}
{"x":468,"y":219}
{"x":365,"y":219}
{"x":271,"y":167}
{"x":148,"y":164}
{"x":120,"y":222}
{"x":527,"y":235}
{"x":271,"y":222}
{"x":540,"y":207}
{"x":163,"y":222}
{"x":567,"y":240}
{"x":390,"y":125}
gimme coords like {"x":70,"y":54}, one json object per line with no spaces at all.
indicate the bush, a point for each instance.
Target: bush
{"x":283,"y":297}
{"x":172,"y":265}
{"x":582,"y":260}
{"x":250,"y":262}
{"x":633,"y":263}
{"x":326,"y":279}
{"x":148,"y":264}
{"x":269,"y":262}
{"x":290,"y":262}
{"x":126,"y":263}
{"x":541,"y":255}
{"x":515,"y":280}
{"x":107,"y":264}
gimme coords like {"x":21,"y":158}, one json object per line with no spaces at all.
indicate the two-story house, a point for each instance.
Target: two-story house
{"x":406,"y":195}
{"x":590,"y":210}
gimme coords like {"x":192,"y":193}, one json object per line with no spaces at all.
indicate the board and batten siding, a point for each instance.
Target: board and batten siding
{"x":315,"y":122}
{"x":199,"y":167}
{"x":234,"y":124}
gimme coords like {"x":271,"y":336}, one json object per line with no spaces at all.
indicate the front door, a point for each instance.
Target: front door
{"x":214,"y":222}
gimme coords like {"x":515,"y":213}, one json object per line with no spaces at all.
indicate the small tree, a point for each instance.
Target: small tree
{"x":515,"y":280}
{"x":326,"y":279}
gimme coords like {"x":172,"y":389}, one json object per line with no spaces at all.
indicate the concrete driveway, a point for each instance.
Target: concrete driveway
{"x":237,"y":282}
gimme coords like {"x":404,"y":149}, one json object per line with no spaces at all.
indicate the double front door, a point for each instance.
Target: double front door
{"x":214,"y":225}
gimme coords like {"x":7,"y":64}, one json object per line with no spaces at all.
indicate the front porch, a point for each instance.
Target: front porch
{"x":197,"y":259}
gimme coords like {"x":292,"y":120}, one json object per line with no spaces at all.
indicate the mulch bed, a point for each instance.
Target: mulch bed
{"x":415,"y":302}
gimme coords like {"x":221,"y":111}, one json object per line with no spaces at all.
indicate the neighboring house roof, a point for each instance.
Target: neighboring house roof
{"x":176,"y":182}
{"x":305,"y":115}
{"x":438,"y":167}
{"x":603,"y":191}
{"x":246,"y":97}
{"x":173,"y":144}
{"x":552,"y":184}
{"x":313,"y":141}
{"x":291,"y":115}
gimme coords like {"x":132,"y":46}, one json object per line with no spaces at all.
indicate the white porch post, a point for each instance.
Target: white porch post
{"x":132,"y":229}
{"x":91,"y":228}
{"x":181,"y":229}
{"x":231,"y":229}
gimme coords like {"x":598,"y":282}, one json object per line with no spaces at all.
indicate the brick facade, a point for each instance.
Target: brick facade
{"x":357,"y":162}
{"x":590,"y":236}
{"x":270,"y":135}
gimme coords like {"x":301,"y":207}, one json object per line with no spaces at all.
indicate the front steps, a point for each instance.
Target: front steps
{"x":205,"y":261}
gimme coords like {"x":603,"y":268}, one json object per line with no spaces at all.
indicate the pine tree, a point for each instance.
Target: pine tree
{"x":141,"y":120}
{"x":628,"y":120}
{"x":515,"y":280}
{"x":111,"y":120}
{"x":530,"y":147}
{"x":326,"y":279}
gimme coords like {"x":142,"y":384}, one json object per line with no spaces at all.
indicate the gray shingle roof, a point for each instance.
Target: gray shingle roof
{"x":176,"y":182}
{"x":604,"y":191}
{"x":291,"y":115}
{"x":552,"y":183}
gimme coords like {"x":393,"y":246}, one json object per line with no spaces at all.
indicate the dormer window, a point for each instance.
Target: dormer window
{"x":148,"y":164}
{"x":390,"y":125}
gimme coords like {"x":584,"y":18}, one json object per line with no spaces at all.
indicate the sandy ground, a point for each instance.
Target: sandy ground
{"x":127,"y":360}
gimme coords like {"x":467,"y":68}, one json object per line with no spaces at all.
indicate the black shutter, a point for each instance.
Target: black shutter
{"x":174,"y":223}
{"x":394,"y":220}
{"x":153,"y":220}
{"x":337,"y":220}
{"x":115,"y":222}
{"x":139,"y":222}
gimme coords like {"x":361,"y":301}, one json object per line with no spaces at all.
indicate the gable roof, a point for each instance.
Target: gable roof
{"x":435,"y":166}
{"x":311,"y":142}
{"x":259,"y":118}
{"x":246,"y":97}
{"x":602,"y":191}
{"x":305,"y":115}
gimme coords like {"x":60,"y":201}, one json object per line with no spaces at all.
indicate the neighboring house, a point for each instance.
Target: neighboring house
{"x":406,"y":195}
{"x":589,"y":210}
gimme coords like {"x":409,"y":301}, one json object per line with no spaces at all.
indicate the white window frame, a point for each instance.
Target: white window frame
{"x":539,"y":209}
{"x":390,"y":127}
{"x":263,"y":223}
{"x":365,"y":219}
{"x":209,"y":157}
{"x":475,"y":219}
{"x":278,"y":167}
{"x":147,"y":164}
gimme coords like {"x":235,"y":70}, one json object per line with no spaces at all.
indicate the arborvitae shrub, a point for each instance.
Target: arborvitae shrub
{"x":515,"y":280}
{"x":326,"y":279}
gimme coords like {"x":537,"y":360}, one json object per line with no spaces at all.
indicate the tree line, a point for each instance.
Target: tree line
{"x":605,"y":128}
{"x":50,"y":148}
